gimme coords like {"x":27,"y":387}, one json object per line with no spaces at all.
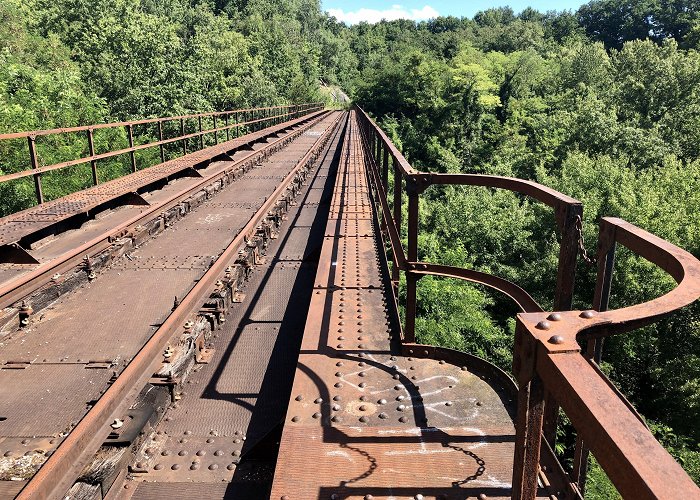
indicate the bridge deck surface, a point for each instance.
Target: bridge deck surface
{"x":365,"y":420}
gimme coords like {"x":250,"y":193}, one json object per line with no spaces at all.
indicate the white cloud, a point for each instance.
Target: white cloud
{"x":374,"y":15}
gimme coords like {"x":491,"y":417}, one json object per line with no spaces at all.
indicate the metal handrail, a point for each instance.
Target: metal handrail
{"x":549,"y":365}
{"x":250,"y":116}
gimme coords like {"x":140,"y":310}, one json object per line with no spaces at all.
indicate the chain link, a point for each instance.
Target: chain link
{"x":591,"y":261}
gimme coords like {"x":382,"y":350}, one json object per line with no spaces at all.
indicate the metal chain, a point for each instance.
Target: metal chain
{"x":591,"y":261}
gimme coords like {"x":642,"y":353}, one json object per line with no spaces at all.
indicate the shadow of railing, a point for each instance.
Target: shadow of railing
{"x":551,"y":369}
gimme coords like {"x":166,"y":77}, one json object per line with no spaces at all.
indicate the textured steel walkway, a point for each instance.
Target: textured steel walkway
{"x":52,"y":371}
{"x":365,"y":421}
{"x":238,"y":400}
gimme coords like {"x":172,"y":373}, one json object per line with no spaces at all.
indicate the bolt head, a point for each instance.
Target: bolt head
{"x":588,"y":314}
{"x":556,"y":339}
{"x":543,"y":325}
{"x":554,"y":317}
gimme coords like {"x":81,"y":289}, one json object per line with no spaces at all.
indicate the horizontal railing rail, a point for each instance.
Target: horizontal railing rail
{"x":234,"y":120}
{"x":549,"y":365}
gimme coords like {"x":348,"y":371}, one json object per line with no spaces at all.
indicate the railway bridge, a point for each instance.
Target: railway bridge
{"x":223,"y":323}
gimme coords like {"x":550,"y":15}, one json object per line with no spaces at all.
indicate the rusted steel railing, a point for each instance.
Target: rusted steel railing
{"x":234,"y":122}
{"x":549,"y":365}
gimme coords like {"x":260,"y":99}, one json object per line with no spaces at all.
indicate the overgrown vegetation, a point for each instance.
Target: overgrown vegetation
{"x":602,"y":104}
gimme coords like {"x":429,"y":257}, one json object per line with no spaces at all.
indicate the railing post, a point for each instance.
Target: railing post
{"x":160,"y":139}
{"x":567,"y":216}
{"x":568,"y":255}
{"x":528,"y":434}
{"x":385,"y":169}
{"x":93,"y":163}
{"x":201,"y":135}
{"x":182,"y":134}
{"x":594,"y":349}
{"x":216,"y":132}
{"x":132,"y":154}
{"x":35,"y":164}
{"x":530,"y":416}
{"x":411,"y":278}
{"x":228,"y":130}
{"x":397,"y":220}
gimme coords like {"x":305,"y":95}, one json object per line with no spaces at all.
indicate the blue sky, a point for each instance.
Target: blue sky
{"x":353,"y":11}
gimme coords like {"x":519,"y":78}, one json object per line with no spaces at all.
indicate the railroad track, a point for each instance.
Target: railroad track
{"x":185,"y":257}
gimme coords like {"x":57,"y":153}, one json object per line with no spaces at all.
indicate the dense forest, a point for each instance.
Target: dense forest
{"x":602,"y":104}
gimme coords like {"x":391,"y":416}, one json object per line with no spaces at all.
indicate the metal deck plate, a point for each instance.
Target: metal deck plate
{"x":45,"y":400}
{"x":374,"y":423}
{"x":126,"y":307}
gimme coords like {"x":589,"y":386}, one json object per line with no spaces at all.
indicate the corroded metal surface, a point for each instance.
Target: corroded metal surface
{"x":229,"y":405}
{"x":17,"y":226}
{"x":121,"y":309}
{"x":373,"y":422}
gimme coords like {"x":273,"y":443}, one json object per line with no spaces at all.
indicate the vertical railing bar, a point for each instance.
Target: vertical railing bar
{"x":93,"y":163}
{"x":567,"y":216}
{"x":216,"y":132}
{"x":35,"y":164}
{"x":182,"y":134}
{"x":411,"y":278}
{"x":594,"y":350}
{"x":160,"y":139}
{"x":228,"y":130}
{"x":201,"y":135}
{"x":132,"y":154}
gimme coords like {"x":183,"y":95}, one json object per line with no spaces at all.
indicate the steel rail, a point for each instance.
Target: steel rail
{"x":85,"y":128}
{"x":111,"y":154}
{"x":15,"y":290}
{"x":64,"y":466}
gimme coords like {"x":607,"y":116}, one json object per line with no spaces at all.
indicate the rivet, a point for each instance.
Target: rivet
{"x":158,"y":467}
{"x":337,"y":385}
{"x":316,"y":415}
{"x":182,"y":453}
{"x":339,"y":363}
{"x":363,"y":419}
{"x":299,"y":397}
{"x":554,"y":317}
{"x":362,"y":374}
{"x":543,"y":325}
{"x":397,"y":387}
{"x":175,"y":466}
{"x":318,"y":401}
{"x":403,"y":420}
{"x":201,"y":453}
{"x":194,"y":466}
{"x":335,"y":418}
{"x":336,"y":407}
{"x":213,"y":467}
{"x":587,"y":314}
{"x":295,"y":419}
{"x":479,"y":403}
{"x":556,"y":339}
{"x":401,"y":407}
{"x":337,"y":398}
{"x":231,"y":466}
